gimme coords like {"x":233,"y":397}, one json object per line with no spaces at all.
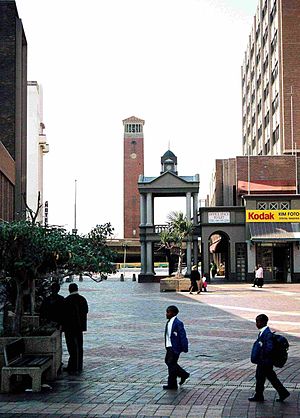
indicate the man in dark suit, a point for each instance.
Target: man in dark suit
{"x":262,"y":356}
{"x":74,"y":323}
{"x":175,"y":342}
{"x":52,"y":307}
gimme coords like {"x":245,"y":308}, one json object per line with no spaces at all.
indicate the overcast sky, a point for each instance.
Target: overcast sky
{"x":174,"y":63}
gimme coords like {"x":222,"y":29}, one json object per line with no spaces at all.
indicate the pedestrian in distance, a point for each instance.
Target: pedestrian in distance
{"x":195,"y":278}
{"x":261,"y":355}
{"x":74,"y":324}
{"x":176,"y":342}
{"x":259,"y":276}
{"x":52,"y":307}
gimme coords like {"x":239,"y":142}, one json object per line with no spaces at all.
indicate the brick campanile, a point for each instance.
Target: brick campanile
{"x":133,"y":167}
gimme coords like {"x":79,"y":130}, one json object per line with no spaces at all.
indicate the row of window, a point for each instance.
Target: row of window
{"x":273,"y":205}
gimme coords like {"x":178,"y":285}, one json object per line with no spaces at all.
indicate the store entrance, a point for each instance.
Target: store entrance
{"x":275,"y":259}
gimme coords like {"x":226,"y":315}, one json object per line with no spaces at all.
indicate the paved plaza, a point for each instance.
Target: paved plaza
{"x":124,"y":366}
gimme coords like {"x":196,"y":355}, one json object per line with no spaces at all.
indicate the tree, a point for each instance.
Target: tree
{"x":179,"y":228}
{"x":31,"y":253}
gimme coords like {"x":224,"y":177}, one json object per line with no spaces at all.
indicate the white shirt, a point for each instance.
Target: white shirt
{"x":262,"y":330}
{"x":169,"y":330}
{"x":259,"y":273}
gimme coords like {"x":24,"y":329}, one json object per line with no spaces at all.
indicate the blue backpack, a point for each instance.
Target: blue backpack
{"x":280,"y":350}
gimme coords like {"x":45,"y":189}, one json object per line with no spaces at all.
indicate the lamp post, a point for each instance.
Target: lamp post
{"x":74,"y":230}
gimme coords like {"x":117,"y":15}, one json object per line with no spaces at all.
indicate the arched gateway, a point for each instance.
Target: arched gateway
{"x":167,"y":184}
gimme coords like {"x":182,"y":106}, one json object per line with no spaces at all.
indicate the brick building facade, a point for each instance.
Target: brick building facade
{"x":13,"y":112}
{"x":244,"y":175}
{"x":133,"y":168}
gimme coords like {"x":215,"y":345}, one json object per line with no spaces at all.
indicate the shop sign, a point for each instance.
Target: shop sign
{"x":273,"y":215}
{"x":218,"y":217}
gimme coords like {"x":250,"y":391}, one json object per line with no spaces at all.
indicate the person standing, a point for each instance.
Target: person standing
{"x":74,"y":324}
{"x":52,"y":307}
{"x":259,"y":276}
{"x":261,"y":355}
{"x":195,"y":277}
{"x":176,"y":342}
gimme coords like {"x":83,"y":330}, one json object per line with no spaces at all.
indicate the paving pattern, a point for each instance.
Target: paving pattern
{"x":124,"y":366}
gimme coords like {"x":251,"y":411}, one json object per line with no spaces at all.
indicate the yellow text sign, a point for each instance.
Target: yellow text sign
{"x":291,"y":215}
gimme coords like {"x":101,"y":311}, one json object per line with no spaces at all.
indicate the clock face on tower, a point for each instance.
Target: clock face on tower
{"x":133,"y":155}
{"x":169,"y":167}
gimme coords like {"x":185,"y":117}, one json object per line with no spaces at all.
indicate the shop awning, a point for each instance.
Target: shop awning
{"x":274,"y":231}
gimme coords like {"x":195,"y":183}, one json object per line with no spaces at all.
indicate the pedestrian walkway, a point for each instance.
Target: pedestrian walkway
{"x":124,"y":366}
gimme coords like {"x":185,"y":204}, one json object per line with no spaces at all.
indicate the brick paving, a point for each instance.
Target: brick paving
{"x":124,"y":355}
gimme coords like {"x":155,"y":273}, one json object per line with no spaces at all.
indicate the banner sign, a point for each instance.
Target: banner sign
{"x":291,"y":215}
{"x":218,"y":217}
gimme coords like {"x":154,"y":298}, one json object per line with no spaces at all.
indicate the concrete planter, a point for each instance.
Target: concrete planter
{"x":40,"y":344}
{"x":174,"y":284}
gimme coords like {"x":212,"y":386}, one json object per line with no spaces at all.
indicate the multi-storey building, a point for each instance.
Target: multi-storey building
{"x":36,"y":147}
{"x":13,"y":107}
{"x":271,"y":80}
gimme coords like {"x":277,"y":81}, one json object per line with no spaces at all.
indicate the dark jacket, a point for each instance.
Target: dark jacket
{"x":179,"y":340}
{"x":75,"y":314}
{"x":195,"y":275}
{"x":52,"y":309}
{"x":262,"y":349}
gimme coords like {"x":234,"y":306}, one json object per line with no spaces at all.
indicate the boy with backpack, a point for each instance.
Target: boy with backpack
{"x":264,"y":354}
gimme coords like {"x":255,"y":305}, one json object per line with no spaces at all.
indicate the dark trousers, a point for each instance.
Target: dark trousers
{"x":173,"y":367}
{"x":74,"y":343}
{"x":267,"y":372}
{"x":194,"y":286}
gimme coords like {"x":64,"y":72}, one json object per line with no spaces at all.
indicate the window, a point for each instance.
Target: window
{"x":273,"y":205}
{"x":259,"y":106}
{"x":276,"y":135}
{"x":274,"y":73}
{"x":259,"y":133}
{"x":267,"y":147}
{"x":273,"y":12}
{"x":266,"y":63}
{"x":275,"y":104}
{"x":284,"y":205}
{"x":266,"y":91}
{"x":258,"y":82}
{"x":267,"y":118}
{"x":261,"y":205}
{"x":274,"y":43}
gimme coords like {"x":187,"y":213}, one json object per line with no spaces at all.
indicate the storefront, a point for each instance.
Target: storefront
{"x":273,"y":236}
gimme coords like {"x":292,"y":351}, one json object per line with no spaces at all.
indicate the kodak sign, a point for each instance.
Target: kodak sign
{"x":291,"y":215}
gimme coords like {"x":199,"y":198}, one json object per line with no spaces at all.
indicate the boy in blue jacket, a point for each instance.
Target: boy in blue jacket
{"x":262,"y":356}
{"x":175,"y":342}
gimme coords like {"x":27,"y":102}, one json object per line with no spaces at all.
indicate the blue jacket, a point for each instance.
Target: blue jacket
{"x":179,"y":339}
{"x":262,"y":349}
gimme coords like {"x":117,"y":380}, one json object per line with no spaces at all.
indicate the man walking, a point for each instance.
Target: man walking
{"x":74,"y":323}
{"x":52,"y":307}
{"x":262,"y":356}
{"x":175,"y":342}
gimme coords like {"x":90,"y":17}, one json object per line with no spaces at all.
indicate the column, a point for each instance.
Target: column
{"x":149,"y":210}
{"x":149,"y":259}
{"x":188,"y":205}
{"x":195,"y":208}
{"x":188,"y":258}
{"x":142,"y":209}
{"x":143,"y":258}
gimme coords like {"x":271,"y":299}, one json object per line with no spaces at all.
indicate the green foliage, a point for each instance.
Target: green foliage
{"x":178,"y":230}
{"x":31,"y":254}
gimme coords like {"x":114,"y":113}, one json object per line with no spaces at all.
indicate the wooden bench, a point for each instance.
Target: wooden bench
{"x":19,"y":363}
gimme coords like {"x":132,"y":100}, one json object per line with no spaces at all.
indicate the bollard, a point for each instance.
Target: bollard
{"x":122,"y":277}
{"x":133,"y":277}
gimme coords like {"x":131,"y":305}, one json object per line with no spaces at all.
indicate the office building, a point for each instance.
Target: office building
{"x":271,"y":80}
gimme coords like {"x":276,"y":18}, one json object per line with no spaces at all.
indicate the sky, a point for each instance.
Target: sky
{"x":174,"y":63}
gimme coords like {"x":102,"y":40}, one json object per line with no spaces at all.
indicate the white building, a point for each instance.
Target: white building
{"x":36,"y":148}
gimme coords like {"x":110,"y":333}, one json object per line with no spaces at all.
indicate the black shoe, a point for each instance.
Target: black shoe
{"x":253,"y":285}
{"x":283,"y":397}
{"x":256,"y":399}
{"x":184,"y":379}
{"x":167,"y":387}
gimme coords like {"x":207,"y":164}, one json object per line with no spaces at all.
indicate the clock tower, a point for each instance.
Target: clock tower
{"x":133,"y":167}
